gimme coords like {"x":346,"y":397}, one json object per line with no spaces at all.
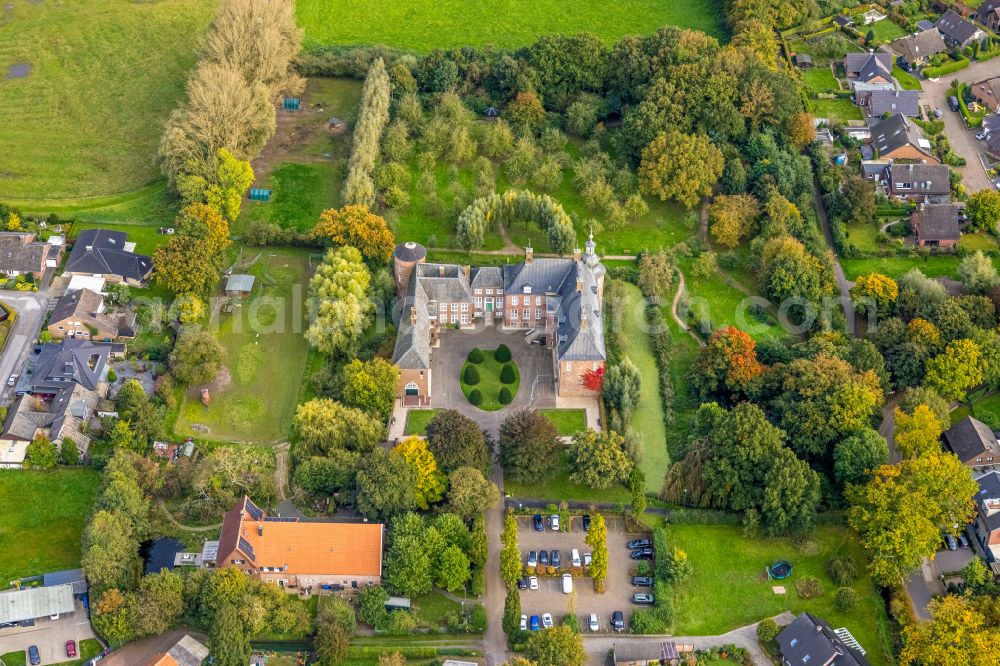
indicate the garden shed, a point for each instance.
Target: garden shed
{"x":239,"y":285}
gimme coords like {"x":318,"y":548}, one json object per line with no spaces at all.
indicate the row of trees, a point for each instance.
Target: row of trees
{"x":513,"y":206}
{"x":373,"y":114}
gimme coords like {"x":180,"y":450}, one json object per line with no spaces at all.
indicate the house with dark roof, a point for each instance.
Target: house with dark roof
{"x":305,"y":555}
{"x":993,"y":143}
{"x":957,"y":31}
{"x":974,"y":443}
{"x":917,"y":182}
{"x":60,"y":417}
{"x":986,"y":526}
{"x":108,"y":254}
{"x":869,"y":67}
{"x":842,"y":21}
{"x":21,"y":254}
{"x":936,"y":225}
{"x":989,"y":14}
{"x":878,"y":103}
{"x":914,"y":50}
{"x":987,"y":93}
{"x":924,"y":24}
{"x":809,"y":641}
{"x":557,"y":301}
{"x":898,"y":138}
{"x":72,"y":361}
{"x":82,"y":314}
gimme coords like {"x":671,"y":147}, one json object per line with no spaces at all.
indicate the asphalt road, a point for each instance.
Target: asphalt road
{"x":31,"y":308}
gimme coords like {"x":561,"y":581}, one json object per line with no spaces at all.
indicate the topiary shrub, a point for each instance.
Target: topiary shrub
{"x":842,"y":570}
{"x":476,"y":356}
{"x":475,"y":397}
{"x":809,"y":587}
{"x":471,"y":375}
{"x":767,"y":630}
{"x":505,"y":396}
{"x":507,"y":374}
{"x":846,"y":599}
{"x":502,"y":354}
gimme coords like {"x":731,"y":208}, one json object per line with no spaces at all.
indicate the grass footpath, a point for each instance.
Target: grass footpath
{"x":33,"y":541}
{"x":87,"y":119}
{"x":647,"y":418}
{"x":422,"y":25}
{"x":729,"y":588}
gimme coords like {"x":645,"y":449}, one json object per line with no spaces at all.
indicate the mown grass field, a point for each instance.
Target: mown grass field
{"x":820,"y":80}
{"x":729,"y":587}
{"x":560,"y":487}
{"x":885,"y":30}
{"x":105,"y":75}
{"x":36,"y":541}
{"x":835,"y":109}
{"x":422,"y":25}
{"x":264,"y":353}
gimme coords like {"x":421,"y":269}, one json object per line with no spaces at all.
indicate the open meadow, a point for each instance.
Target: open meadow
{"x":423,"y":25}
{"x":85,"y":118}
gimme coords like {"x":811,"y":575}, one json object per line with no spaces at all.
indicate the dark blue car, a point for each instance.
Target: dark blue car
{"x":33,"y":655}
{"x":534,"y":624}
{"x":539,"y":525}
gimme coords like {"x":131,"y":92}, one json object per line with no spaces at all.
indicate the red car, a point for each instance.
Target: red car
{"x":70,"y":648}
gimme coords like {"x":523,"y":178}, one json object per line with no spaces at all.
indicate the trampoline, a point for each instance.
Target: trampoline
{"x":780,"y":570}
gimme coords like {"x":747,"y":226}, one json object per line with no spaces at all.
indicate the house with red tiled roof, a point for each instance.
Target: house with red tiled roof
{"x":307,"y":555}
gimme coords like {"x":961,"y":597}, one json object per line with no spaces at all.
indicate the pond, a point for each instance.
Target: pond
{"x":159,"y":554}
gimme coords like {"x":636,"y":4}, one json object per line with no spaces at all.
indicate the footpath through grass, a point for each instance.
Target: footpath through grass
{"x":104,"y":76}
{"x":647,"y":418}
{"x":37,"y":541}
{"x":729,"y":587}
{"x":423,"y":25}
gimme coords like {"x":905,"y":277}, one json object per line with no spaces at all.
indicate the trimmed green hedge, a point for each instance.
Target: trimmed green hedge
{"x":471,"y":375}
{"x":505,"y":396}
{"x":507,"y":374}
{"x":475,"y":397}
{"x":502,"y":354}
{"x":947,"y":68}
{"x":476,"y":355}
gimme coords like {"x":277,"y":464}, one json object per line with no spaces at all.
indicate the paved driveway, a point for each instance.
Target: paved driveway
{"x":49,"y":635}
{"x":534,"y":362}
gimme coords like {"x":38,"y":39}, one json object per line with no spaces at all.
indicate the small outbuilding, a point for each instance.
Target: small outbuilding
{"x":72,"y":577}
{"x":239,"y":285}
{"x":803,"y":60}
{"x":842,"y":21}
{"x":35,"y":602}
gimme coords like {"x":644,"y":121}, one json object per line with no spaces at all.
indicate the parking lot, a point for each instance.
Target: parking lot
{"x":49,"y":636}
{"x":549,"y":597}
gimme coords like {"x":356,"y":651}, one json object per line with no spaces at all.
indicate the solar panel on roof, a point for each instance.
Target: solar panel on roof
{"x":280,"y":519}
{"x":247,"y":549}
{"x":254,"y":511}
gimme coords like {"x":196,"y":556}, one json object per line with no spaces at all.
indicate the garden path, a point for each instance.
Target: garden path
{"x":281,"y":470}
{"x":673,"y":309}
{"x":189,"y":528}
{"x":843,"y":284}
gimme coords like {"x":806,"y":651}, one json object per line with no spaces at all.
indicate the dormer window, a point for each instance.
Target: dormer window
{"x":527,"y":289}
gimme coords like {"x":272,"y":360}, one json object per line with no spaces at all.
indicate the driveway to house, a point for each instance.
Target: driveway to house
{"x":962,"y":140}
{"x":31,"y":308}
{"x":534,"y":362}
{"x":49,"y":636}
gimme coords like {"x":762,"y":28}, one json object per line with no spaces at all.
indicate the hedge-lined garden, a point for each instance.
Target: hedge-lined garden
{"x":490,"y":379}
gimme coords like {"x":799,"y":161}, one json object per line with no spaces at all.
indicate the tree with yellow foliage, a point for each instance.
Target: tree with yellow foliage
{"x":917,"y":433}
{"x":679,"y":166}
{"x":733,"y":217}
{"x":430,"y":485}
{"x":358,"y":227}
{"x":875,"y":291}
{"x":801,"y":130}
{"x":957,"y":634}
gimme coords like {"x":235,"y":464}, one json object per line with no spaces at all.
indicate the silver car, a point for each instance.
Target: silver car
{"x":595,"y":625}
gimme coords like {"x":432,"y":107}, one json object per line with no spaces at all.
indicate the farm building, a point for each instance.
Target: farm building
{"x":239,"y":285}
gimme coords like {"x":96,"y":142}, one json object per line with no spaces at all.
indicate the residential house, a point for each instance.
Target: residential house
{"x":993,"y":143}
{"x":309,"y":555}
{"x":556,"y":301}
{"x":108,"y":254}
{"x":21,"y":254}
{"x":58,"y":365}
{"x":936,"y":225}
{"x":987,"y":93}
{"x":974,"y":443}
{"x":869,"y":67}
{"x":917,"y":182}
{"x":59,"y":417}
{"x":957,"y":31}
{"x":809,"y":641}
{"x":185,"y":652}
{"x":877,"y":171}
{"x":898,"y":138}
{"x":986,"y":525}
{"x":81,"y":314}
{"x":915,"y":49}
{"x":842,"y":21}
{"x":989,"y":14}
{"x":239,"y":286}
{"x":991,"y":124}
{"x":878,"y":103}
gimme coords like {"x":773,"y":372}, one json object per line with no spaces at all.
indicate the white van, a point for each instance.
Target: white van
{"x":567,"y":583}
{"x":575,"y":557}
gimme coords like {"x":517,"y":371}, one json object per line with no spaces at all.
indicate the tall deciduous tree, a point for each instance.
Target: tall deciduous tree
{"x":732,"y":217}
{"x":955,"y":370}
{"x":917,"y":433}
{"x":598,"y":460}
{"x":680,"y":166}
{"x":430,"y":480}
{"x":229,"y":642}
{"x":978,"y":273}
{"x":358,"y":227}
{"x":341,"y":307}
{"x":856,"y":203}
{"x":958,"y":633}
{"x":370,"y":386}
{"x":558,"y":646}
{"x":858,"y":456}
{"x":385,"y":485}
{"x":983,"y":209}
{"x":510,"y":556}
{"x":529,"y":446}
{"x":875,"y":291}
{"x":727,"y":365}
{"x":470,"y":493}
{"x":456,"y":441}
{"x":801,"y":130}
{"x":196,"y":357}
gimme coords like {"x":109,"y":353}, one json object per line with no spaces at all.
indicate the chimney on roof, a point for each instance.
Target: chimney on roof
{"x":529,"y":254}
{"x":467,"y":270}
{"x":577,"y":252}
{"x":260,"y":529}
{"x":579,"y":284}
{"x":413,"y":316}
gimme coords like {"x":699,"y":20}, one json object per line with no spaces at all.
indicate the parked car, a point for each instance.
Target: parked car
{"x":981,"y":136}
{"x":642,"y":581}
{"x":54,"y":616}
{"x":33,"y":655}
{"x":639,"y":543}
{"x":532,"y":558}
{"x":574,"y":557}
{"x":618,"y":621}
{"x":953,"y":103}
{"x":642,"y":598}
{"x":587,"y":558}
{"x":534,"y":623}
{"x":12,"y":380}
{"x":554,"y":522}
{"x":594,"y":623}
{"x":950,"y":542}
{"x":533,"y":582}
{"x":547,"y":620}
{"x":586,"y":522}
{"x":543,"y":557}
{"x":567,"y":583}
{"x":555,"y":558}
{"x":642,"y":554}
{"x":524,"y":623}
{"x":963,"y":542}
{"x":938,"y":112}
{"x":70,"y":648}
{"x":539,"y":525}
{"x":522,"y":583}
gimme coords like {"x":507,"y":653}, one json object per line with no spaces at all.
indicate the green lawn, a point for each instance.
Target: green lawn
{"x":979,"y":241}
{"x":885,"y":30}
{"x":647,"y":418}
{"x":986,"y":409}
{"x":264,"y":354}
{"x":422,"y":25}
{"x":146,"y":238}
{"x":864,"y":236}
{"x":417,"y":420}
{"x":905,"y":79}
{"x":87,"y":120}
{"x":299,"y":193}
{"x":40,"y":531}
{"x":944,"y":265}
{"x":559,"y":487}
{"x":568,"y":421}
{"x":149,"y":205}
{"x":820,"y":80}
{"x":835,"y":109}
{"x":432,"y":607}
{"x":489,"y":385}
{"x":18,"y":658}
{"x":729,"y":588}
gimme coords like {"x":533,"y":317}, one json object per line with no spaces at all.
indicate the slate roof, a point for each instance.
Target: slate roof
{"x":413,"y":340}
{"x":62,"y":416}
{"x":993,"y":142}
{"x":409,"y":252}
{"x":924,"y":178}
{"x":989,"y":490}
{"x":919,"y":45}
{"x":71,"y":360}
{"x":102,"y":252}
{"x":868,"y":65}
{"x":487,"y":277}
{"x":936,"y":222}
{"x":991,"y":123}
{"x":809,"y":640}
{"x":76,"y":303}
{"x":956,"y":28}
{"x":22,"y":253}
{"x":924,"y":24}
{"x":906,"y":102}
{"x":895,"y":132}
{"x":842,"y":21}
{"x":970,"y":438}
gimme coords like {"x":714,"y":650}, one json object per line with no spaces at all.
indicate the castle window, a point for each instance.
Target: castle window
{"x":513,"y":314}
{"x":479,"y":302}
{"x":443,"y":307}
{"x":465,"y":307}
{"x":454,"y":307}
{"x":479,"y":291}
{"x":489,"y":291}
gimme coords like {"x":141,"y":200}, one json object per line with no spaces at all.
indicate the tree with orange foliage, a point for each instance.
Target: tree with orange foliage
{"x":728,"y":364}
{"x":358,"y":227}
